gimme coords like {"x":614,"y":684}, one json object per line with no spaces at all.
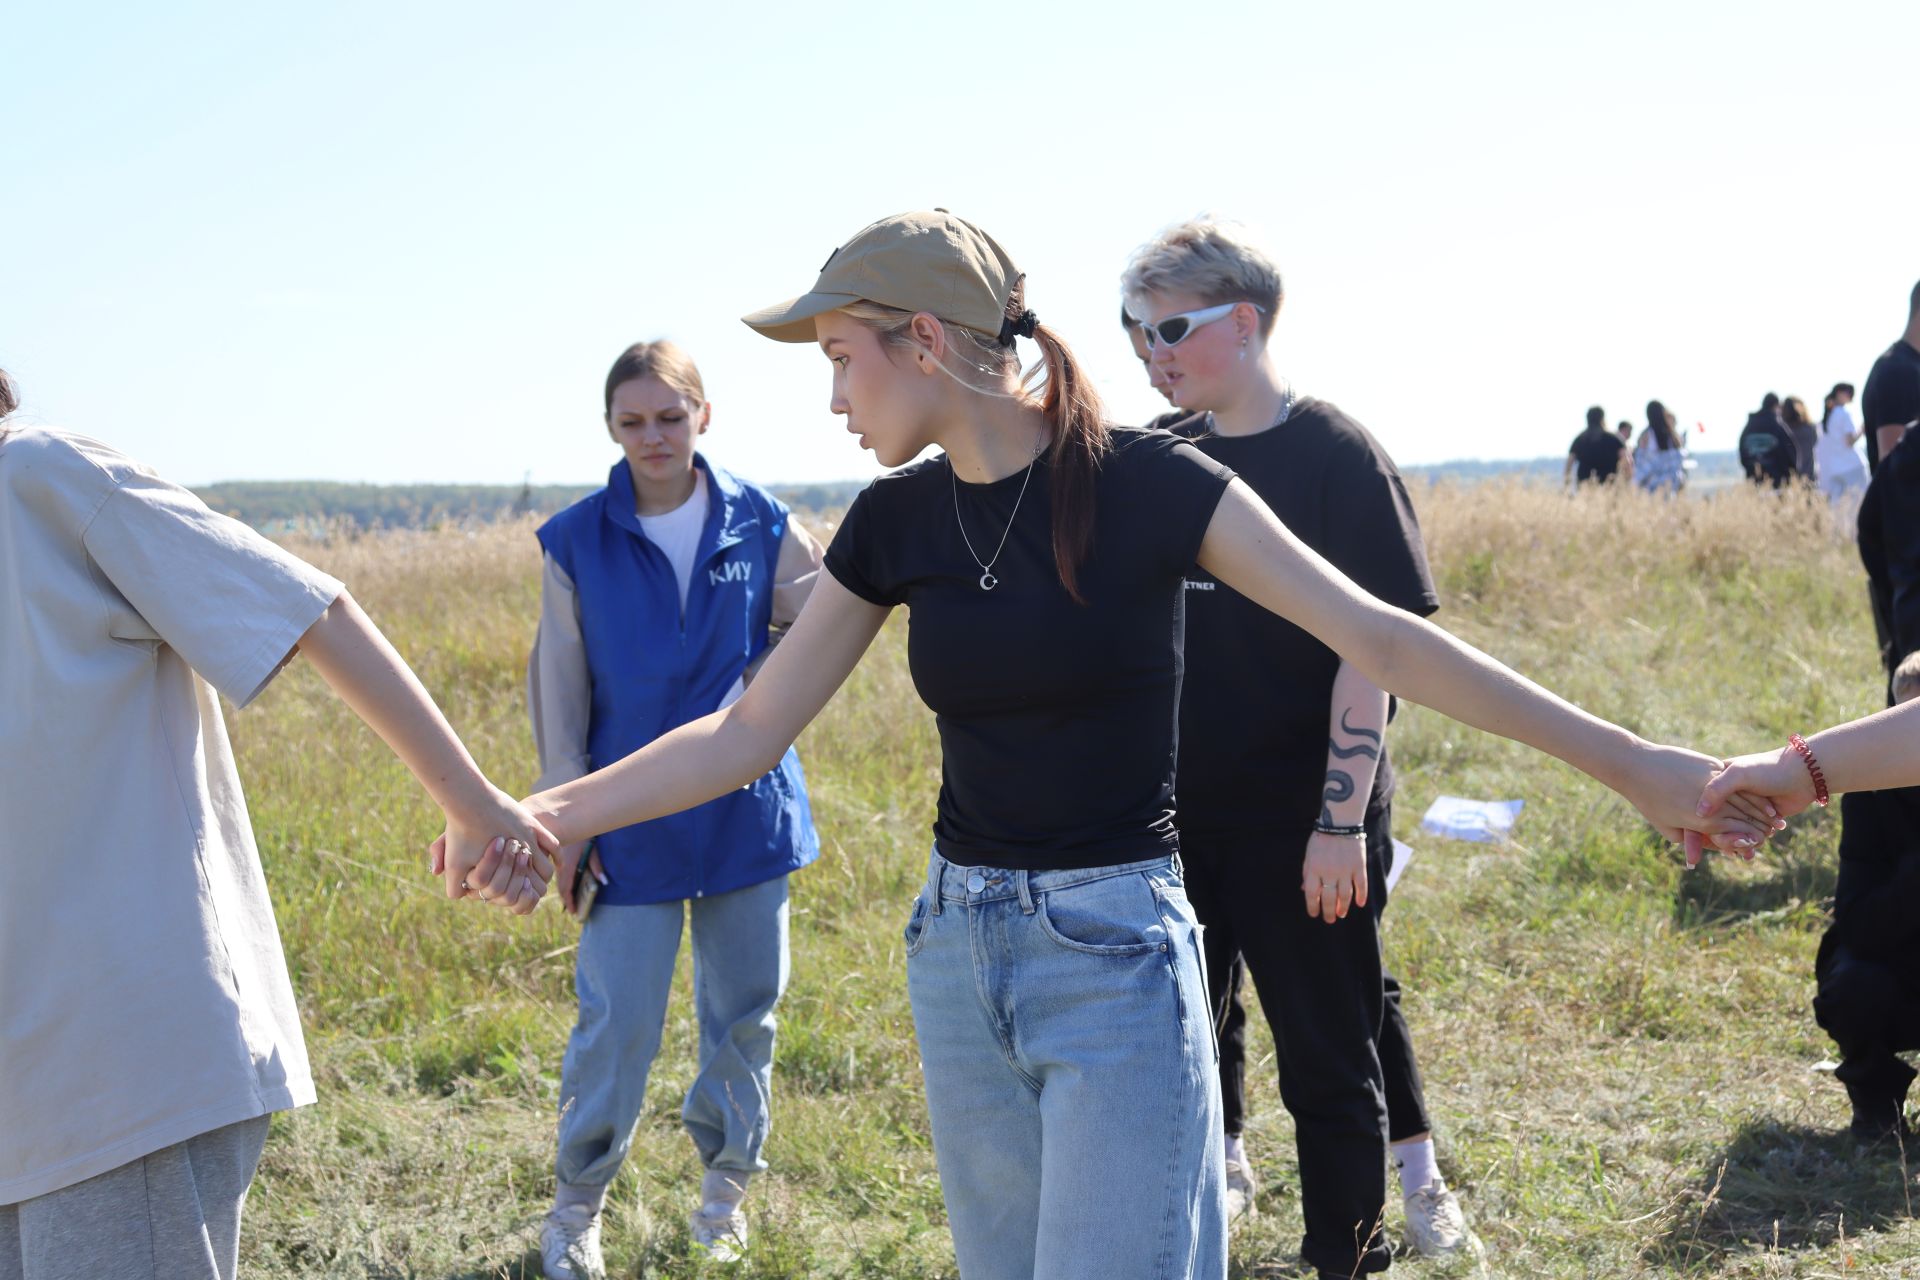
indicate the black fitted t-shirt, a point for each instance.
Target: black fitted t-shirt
{"x":1596,"y":456}
{"x":1892,"y":393}
{"x":1057,"y":720}
{"x":1256,"y":703}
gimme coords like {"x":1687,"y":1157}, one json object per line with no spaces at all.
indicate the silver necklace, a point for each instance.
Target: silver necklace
{"x":1286,"y":411}
{"x":987,"y":581}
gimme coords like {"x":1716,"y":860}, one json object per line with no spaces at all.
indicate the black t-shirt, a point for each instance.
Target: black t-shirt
{"x":1057,"y":720}
{"x":1255,"y":707}
{"x":1596,"y":455}
{"x":1892,"y":394}
{"x":1889,"y":540}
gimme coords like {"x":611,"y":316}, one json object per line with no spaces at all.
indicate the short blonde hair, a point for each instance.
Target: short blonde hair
{"x":1211,"y":257}
{"x":663,"y":360}
{"x":1906,"y":677}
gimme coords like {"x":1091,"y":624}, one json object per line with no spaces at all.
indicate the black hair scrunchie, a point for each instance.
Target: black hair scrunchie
{"x":1021,"y":326}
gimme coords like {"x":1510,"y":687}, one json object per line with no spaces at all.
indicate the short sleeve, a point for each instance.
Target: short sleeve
{"x":231,"y":603}
{"x":1902,"y":403}
{"x":1181,"y":484}
{"x":1378,"y":542}
{"x":855,"y":559}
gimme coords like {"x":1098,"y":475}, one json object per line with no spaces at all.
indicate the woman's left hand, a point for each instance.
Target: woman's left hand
{"x":1665,"y":784}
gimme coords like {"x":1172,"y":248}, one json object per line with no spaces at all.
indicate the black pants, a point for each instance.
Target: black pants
{"x":1872,"y":1010}
{"x":1347,"y":1070}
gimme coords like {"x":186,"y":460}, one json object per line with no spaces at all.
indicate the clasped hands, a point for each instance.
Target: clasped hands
{"x":498,"y":851}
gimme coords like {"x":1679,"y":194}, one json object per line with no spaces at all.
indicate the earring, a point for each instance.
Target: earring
{"x":1243,"y":348}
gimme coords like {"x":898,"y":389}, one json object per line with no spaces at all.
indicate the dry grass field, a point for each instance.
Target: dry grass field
{"x":1619,"y":1054}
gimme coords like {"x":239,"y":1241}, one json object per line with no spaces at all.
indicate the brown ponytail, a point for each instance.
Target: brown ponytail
{"x":1073,"y":410}
{"x":9,"y":398}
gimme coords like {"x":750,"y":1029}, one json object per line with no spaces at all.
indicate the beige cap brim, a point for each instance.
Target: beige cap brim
{"x":792,"y":321}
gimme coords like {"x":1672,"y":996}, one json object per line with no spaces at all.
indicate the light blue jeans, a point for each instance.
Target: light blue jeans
{"x":1070,"y":1072}
{"x":624,"y":975}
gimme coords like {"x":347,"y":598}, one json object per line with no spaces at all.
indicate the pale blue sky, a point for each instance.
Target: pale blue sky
{"x":401,"y":242}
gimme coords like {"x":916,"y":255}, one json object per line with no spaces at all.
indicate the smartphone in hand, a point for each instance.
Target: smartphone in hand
{"x":586,"y":886}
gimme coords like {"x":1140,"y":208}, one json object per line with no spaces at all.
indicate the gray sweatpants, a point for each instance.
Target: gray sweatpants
{"x":172,"y":1215}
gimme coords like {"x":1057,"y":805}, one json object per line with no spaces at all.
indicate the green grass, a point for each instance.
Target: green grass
{"x":1618,"y":1054}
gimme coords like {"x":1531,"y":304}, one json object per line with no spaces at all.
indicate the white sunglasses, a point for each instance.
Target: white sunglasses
{"x":1175,"y":329}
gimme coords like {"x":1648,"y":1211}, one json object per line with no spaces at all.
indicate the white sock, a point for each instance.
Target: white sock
{"x":1416,"y":1164}
{"x":1236,"y":1150}
{"x":722,"y":1190}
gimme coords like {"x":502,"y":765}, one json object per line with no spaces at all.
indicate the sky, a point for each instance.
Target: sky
{"x":394,"y":243}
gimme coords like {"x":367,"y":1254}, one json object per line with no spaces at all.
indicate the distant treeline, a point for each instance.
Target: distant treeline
{"x":287,"y":505}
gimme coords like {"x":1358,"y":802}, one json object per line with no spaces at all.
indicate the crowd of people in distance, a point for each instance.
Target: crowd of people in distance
{"x":1235,"y":626}
{"x":1658,"y":463}
{"x":1782,"y":444}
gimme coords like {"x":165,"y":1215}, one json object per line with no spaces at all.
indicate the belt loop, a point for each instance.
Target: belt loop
{"x":1179,"y":867}
{"x":936,"y":877}
{"x":1026,"y":896}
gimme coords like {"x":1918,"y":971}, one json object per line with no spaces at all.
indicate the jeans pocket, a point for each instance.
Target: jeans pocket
{"x":1116,"y":916}
{"x":916,"y":931}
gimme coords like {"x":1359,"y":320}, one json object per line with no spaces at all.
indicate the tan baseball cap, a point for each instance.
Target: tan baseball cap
{"x":932,"y":262}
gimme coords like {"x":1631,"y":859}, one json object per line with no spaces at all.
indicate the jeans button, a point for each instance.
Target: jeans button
{"x":976,"y":882}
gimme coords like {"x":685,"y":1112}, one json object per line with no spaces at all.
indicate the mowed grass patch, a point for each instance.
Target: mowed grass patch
{"x":1617,"y":1052}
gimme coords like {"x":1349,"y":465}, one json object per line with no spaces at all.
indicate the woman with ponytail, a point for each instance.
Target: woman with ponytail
{"x":1054,"y":960}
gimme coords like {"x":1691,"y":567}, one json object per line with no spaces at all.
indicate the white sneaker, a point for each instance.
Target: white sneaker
{"x":1435,"y":1226}
{"x":1240,"y":1189}
{"x":570,"y":1245}
{"x":722,"y":1233}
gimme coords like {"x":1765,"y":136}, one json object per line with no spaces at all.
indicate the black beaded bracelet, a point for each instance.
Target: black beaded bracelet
{"x":1333,"y":829}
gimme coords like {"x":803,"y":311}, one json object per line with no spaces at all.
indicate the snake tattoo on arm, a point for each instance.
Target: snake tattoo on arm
{"x":1340,"y":785}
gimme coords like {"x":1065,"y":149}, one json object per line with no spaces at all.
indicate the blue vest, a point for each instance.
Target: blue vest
{"x":653,"y":671}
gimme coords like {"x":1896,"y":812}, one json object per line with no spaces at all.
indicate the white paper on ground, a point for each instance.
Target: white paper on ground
{"x":1481,"y":821}
{"x":1402,"y":855}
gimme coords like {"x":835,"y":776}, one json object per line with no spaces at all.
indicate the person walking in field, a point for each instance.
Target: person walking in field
{"x":1661,"y":464}
{"x":1285,"y":785}
{"x":1596,"y":454}
{"x":1837,"y":464}
{"x":1806,"y":437}
{"x":147,"y":1024}
{"x":1768,"y":454}
{"x":661,"y":594}
{"x":1054,"y":963}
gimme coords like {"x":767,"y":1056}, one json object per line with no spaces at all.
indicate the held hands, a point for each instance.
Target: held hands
{"x":1779,"y":778}
{"x":499,"y":852}
{"x":548,"y":814}
{"x":1668,"y":784}
{"x":1334,"y":877}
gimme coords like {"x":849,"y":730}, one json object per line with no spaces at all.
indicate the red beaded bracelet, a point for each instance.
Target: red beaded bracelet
{"x":1799,"y":744}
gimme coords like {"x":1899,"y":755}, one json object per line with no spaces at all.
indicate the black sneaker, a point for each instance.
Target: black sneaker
{"x":1881,"y":1125}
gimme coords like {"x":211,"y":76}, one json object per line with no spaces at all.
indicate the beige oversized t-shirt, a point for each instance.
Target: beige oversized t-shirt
{"x":143,"y":995}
